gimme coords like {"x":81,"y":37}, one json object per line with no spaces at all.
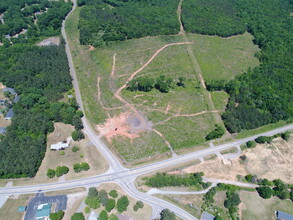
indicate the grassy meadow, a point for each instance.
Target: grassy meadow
{"x":173,"y":114}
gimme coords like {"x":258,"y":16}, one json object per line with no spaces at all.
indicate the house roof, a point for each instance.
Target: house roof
{"x":9,"y":114}
{"x":59,"y":146}
{"x":206,"y":216}
{"x":284,"y":216}
{"x":44,"y":211}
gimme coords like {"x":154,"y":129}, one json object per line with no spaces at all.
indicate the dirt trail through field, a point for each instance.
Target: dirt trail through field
{"x":187,"y":115}
{"x":179,"y":10}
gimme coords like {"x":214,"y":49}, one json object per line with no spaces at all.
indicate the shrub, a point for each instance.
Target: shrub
{"x":87,"y":209}
{"x":110,"y":205}
{"x":122,"y":204}
{"x":61,"y":170}
{"x":50,"y":173}
{"x":113,"y":193}
{"x":77,"y":216}
{"x":103,"y":215}
{"x":62,"y":152}
{"x":85,"y":166}
{"x":93,"y":192}
{"x":166,"y":214}
{"x":138,"y":205}
{"x":77,"y":167}
{"x":285,"y":136}
{"x":232,"y":200}
{"x":263,"y":139}
{"x":250,"y":144}
{"x":217,"y":133}
{"x":113,"y":217}
{"x":103,"y":195}
{"x":93,"y":203}
{"x":265,"y":192}
{"x":75,"y":149}
{"x":77,"y":135}
{"x":81,"y":155}
{"x":57,"y":216}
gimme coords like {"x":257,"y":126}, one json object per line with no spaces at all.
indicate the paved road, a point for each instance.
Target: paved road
{"x":119,"y":174}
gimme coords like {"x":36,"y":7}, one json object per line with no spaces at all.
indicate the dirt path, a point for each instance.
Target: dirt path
{"x":167,"y":143}
{"x":187,"y":115}
{"x":179,"y":10}
{"x":148,"y":62}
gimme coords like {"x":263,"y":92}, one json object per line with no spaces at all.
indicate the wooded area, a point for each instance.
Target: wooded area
{"x":104,"y":21}
{"x":40,"y":76}
{"x":262,"y":95}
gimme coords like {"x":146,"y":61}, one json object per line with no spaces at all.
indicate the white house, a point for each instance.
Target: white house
{"x":59,"y":146}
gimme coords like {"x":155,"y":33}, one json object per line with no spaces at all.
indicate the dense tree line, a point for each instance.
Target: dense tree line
{"x":163,"y":179}
{"x":262,"y":95}
{"x":213,"y":17}
{"x":113,"y":20}
{"x":40,"y":76}
{"x":216,"y":133}
{"x":19,"y":15}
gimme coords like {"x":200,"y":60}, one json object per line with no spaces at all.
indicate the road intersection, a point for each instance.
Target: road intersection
{"x":117,"y":173}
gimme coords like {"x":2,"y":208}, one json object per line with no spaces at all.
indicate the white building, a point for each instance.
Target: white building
{"x":59,"y":146}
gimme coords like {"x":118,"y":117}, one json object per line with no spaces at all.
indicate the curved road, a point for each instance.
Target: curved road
{"x":119,"y":174}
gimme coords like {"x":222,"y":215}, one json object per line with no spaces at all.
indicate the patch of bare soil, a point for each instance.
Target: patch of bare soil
{"x":269,"y":161}
{"x":73,"y":202}
{"x":50,"y":41}
{"x":126,"y":124}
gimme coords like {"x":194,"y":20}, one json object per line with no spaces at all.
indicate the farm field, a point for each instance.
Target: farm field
{"x":163,"y":122}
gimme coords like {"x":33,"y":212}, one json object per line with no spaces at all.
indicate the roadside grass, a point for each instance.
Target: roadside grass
{"x":265,"y":207}
{"x":265,"y":128}
{"x":66,"y":191}
{"x":175,"y":199}
{"x":9,"y":209}
{"x":85,"y":69}
{"x":220,"y":99}
{"x":149,"y":144}
{"x":232,"y":150}
{"x":224,"y":58}
{"x":186,"y":132}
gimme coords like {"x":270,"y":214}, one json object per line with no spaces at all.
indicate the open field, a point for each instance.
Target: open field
{"x":179,"y":119}
{"x":224,"y":58}
{"x":265,"y":207}
{"x":269,"y":161}
{"x":9,"y":209}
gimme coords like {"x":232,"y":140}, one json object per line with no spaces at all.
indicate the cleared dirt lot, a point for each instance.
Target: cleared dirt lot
{"x":269,"y":161}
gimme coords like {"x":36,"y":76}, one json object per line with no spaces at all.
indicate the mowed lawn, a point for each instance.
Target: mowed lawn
{"x":255,"y":207}
{"x":218,"y":58}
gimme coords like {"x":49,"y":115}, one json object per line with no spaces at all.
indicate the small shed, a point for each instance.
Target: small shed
{"x":283,"y":215}
{"x":59,"y":146}
{"x":21,"y":209}
{"x":9,"y":114}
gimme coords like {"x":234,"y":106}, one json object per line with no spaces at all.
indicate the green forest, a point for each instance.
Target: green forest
{"x":40,"y":76}
{"x":103,"y":21}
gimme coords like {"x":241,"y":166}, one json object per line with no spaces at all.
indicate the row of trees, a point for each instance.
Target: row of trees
{"x":78,"y":167}
{"x":161,"y":83}
{"x":123,"y":20}
{"x":163,"y":179}
{"x":59,"y":171}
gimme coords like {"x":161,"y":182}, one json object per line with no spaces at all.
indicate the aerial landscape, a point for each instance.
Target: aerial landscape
{"x":155,"y":109}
